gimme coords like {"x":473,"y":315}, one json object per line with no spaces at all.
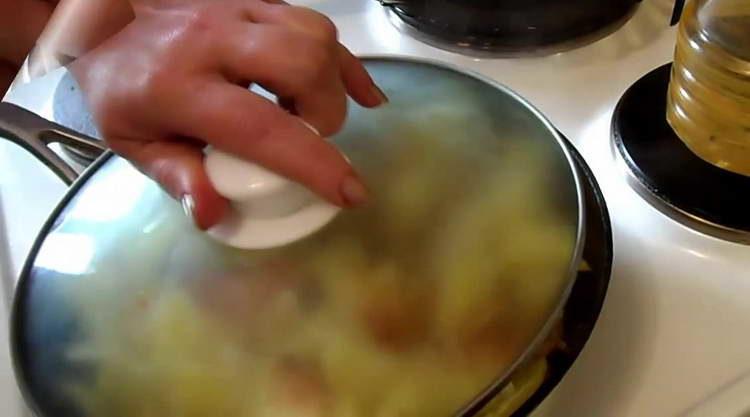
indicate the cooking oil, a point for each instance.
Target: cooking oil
{"x":709,"y":94}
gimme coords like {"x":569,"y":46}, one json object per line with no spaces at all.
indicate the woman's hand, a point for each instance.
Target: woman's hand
{"x":176,"y":78}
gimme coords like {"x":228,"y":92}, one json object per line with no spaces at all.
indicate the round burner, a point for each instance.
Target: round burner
{"x":519,"y":28}
{"x":667,"y":174}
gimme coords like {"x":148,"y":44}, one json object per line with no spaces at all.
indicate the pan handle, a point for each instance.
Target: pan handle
{"x":35,"y":133}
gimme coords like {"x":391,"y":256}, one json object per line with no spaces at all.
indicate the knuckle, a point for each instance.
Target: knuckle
{"x":154,"y":85}
{"x":335,"y":123}
{"x":327,"y":113}
{"x":338,"y":119}
{"x":243,"y":130}
{"x":315,"y":63}
{"x":315,"y":23}
{"x":331,"y":125}
{"x":326,"y":29}
{"x":201,"y":19}
{"x":163,"y":173}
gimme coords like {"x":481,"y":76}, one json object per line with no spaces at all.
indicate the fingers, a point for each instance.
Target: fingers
{"x":178,"y":168}
{"x":300,"y":19}
{"x":312,"y":24}
{"x":357,"y":81}
{"x":305,"y":75}
{"x":252,"y":127}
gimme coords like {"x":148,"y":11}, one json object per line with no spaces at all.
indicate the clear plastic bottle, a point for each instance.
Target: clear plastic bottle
{"x":709,"y":95}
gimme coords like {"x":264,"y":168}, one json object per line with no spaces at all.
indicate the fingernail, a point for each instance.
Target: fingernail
{"x":188,"y":206}
{"x":379,"y":95}
{"x":354,"y":192}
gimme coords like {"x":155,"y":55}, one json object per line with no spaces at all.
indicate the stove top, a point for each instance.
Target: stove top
{"x":676,"y":312}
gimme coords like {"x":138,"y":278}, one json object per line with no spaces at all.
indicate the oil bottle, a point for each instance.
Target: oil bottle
{"x":709,"y":93}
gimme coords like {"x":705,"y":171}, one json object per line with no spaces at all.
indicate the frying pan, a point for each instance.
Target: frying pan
{"x":41,"y":325}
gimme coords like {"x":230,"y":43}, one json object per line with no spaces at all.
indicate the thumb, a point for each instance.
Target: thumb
{"x":178,"y":168}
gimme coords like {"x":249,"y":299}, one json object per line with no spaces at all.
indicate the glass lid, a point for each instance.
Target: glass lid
{"x":412,"y":306}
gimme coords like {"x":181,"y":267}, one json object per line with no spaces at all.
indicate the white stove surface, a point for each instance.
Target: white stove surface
{"x":676,"y":323}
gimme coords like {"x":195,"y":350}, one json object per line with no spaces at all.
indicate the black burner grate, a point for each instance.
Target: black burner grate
{"x":665,"y":172}
{"x":510,"y":26}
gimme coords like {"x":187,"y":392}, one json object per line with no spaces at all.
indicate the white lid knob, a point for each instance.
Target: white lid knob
{"x":266,"y":209}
